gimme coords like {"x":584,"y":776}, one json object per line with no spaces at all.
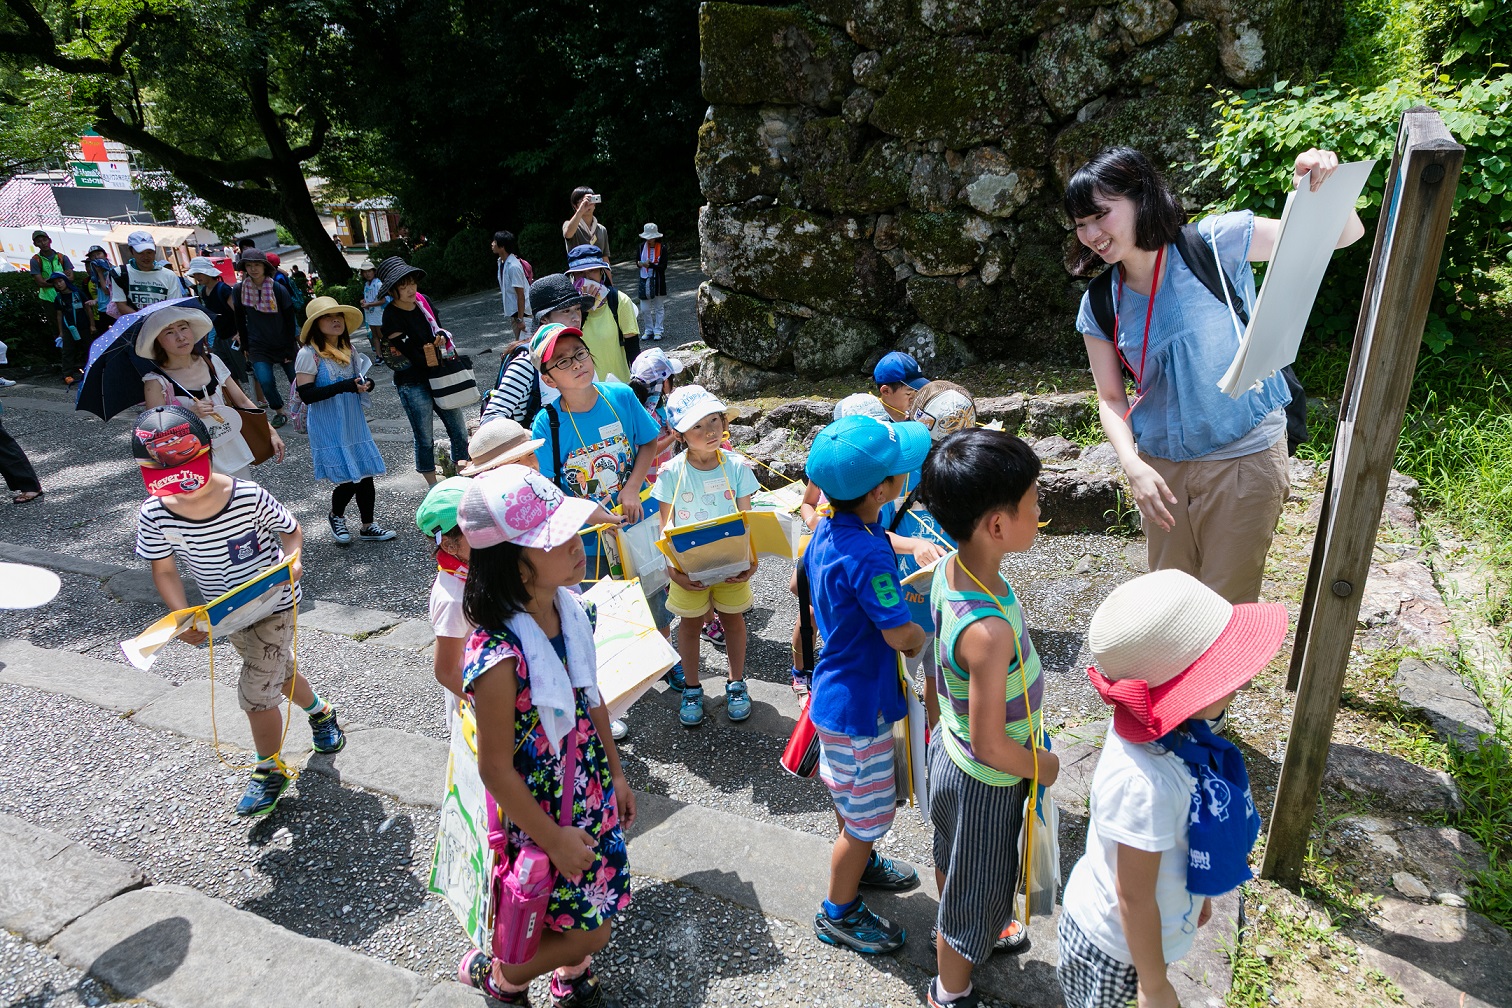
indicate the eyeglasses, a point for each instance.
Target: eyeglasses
{"x":568,"y":363}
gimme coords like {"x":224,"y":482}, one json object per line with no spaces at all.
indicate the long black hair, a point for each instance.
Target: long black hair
{"x":495,"y":588}
{"x":1124,"y":171}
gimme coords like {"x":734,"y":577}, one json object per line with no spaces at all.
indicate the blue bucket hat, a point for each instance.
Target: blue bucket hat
{"x":851,"y":456}
{"x":586,"y":257}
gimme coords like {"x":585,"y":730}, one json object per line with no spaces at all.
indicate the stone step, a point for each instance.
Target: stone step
{"x":48,"y":881}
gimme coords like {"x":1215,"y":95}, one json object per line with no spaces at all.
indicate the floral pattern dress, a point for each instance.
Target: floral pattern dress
{"x":604,"y":888}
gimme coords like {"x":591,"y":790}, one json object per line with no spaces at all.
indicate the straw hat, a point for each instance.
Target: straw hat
{"x":498,"y":442}
{"x":328,"y":306}
{"x":155,"y":322}
{"x":1165,"y":646}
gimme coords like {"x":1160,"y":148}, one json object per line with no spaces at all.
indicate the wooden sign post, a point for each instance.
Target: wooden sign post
{"x":1403,"y":270}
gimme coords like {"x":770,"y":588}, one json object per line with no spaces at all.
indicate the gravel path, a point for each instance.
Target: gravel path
{"x":351,"y":866}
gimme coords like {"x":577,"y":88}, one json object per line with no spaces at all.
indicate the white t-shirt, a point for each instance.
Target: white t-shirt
{"x":1140,"y":799}
{"x":231,"y":453}
{"x":448,"y":620}
{"x":697,"y":494}
{"x":147,"y":286}
{"x":446,"y":614}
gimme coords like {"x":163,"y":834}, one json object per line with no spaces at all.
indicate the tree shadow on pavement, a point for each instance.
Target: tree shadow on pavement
{"x":338,"y":861}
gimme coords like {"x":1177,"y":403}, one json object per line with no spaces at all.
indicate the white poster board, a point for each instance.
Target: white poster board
{"x":1310,"y":227}
{"x":463,"y":862}
{"x":632,"y":653}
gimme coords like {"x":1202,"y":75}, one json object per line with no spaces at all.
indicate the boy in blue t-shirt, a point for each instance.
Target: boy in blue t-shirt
{"x":860,"y":462}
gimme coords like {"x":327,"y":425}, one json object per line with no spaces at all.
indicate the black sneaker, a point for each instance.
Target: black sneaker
{"x":860,"y":930}
{"x":583,"y":992}
{"x":263,"y":792}
{"x":934,"y":1000}
{"x":326,"y":735}
{"x":886,"y":875}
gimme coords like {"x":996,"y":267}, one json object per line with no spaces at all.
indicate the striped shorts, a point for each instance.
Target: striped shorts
{"x":858,"y":770}
{"x":976,"y":828}
{"x":1089,"y":977}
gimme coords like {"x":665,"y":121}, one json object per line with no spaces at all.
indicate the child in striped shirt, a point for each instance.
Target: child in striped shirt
{"x":981,"y":486}
{"x":226,"y":531}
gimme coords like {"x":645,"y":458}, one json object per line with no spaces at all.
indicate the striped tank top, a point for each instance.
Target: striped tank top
{"x":954,"y":611}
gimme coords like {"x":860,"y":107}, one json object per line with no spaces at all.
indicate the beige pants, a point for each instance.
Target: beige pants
{"x":267,"y":652}
{"x":1225,"y":515}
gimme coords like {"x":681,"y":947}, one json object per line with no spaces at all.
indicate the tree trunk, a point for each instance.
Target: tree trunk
{"x":299,"y":215}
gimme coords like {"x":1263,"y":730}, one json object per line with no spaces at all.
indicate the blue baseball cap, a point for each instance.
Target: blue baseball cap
{"x":899,"y":368}
{"x":851,"y":456}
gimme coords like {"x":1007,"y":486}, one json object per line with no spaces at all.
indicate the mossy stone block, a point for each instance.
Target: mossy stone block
{"x":938,"y":244}
{"x":746,"y":328}
{"x":959,"y":90}
{"x":753,"y":55}
{"x":831,"y":345}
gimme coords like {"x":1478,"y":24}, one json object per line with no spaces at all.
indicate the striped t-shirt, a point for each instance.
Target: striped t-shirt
{"x":227,"y":548}
{"x":954,"y":611}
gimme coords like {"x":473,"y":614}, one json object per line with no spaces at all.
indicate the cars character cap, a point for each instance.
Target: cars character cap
{"x":172,"y":446}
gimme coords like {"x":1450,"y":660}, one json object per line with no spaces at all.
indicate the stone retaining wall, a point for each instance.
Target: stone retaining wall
{"x":884,"y":173}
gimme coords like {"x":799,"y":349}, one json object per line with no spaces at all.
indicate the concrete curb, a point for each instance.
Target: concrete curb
{"x":48,"y":881}
{"x":181,"y":949}
{"x":16,"y":553}
{"x":104,"y":684}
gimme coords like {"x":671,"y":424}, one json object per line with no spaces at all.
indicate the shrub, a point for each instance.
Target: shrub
{"x":541,"y":243}
{"x":468,"y":260}
{"x":394,"y":247}
{"x":26,"y":324}
{"x":1260,"y":133}
{"x":436,"y":284}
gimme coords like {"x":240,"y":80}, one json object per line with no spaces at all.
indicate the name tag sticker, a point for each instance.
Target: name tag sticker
{"x":611,"y":430}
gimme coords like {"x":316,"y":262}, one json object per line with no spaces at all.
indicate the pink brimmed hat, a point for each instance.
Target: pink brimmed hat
{"x":1165,"y":646}
{"x":519,"y":505}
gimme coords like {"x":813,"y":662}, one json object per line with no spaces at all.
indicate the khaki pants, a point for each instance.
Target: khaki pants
{"x":1225,"y":515}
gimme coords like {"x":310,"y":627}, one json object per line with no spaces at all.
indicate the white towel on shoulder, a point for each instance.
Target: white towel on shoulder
{"x":551,"y":684}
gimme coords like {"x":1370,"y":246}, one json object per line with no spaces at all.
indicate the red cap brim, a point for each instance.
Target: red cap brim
{"x":186,"y":477}
{"x":1251,"y":639}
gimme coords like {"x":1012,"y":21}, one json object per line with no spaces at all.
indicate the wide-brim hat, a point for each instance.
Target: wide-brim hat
{"x":497,"y":443}
{"x":650,"y":232}
{"x":154,"y":323}
{"x":324,"y":305}
{"x":392,"y":270}
{"x":553,"y":292}
{"x":1165,"y":646}
{"x":202,"y":266}
{"x":23,"y":586}
{"x":586,"y":257}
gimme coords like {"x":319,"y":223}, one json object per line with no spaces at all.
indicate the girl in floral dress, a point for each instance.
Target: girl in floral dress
{"x":531,"y":673}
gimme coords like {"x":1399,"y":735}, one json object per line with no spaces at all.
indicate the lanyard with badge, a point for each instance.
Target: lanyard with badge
{"x":729,"y":486}
{"x":617,"y":428}
{"x":1149,"y":314}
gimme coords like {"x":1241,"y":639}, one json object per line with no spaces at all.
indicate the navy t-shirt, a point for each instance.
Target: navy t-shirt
{"x":853,"y":582}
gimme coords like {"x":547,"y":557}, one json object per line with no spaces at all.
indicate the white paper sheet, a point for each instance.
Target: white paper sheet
{"x":1310,"y":227}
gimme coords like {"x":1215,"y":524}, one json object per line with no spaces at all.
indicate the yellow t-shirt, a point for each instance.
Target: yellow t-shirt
{"x":604,"y":340}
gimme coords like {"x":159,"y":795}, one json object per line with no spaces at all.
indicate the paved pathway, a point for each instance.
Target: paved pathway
{"x":730,"y":855}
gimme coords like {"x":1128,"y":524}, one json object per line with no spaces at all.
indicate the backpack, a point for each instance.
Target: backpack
{"x":554,"y":420}
{"x":529,"y":271}
{"x":1198,"y":256}
{"x":296,"y":297}
{"x":533,"y":398}
{"x":631,"y":343}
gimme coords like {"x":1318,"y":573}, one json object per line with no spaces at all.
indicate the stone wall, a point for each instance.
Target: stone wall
{"x":887,"y":173}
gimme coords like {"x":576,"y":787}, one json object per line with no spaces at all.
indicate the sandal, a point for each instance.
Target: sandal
{"x":279,"y":419}
{"x":26,"y":496}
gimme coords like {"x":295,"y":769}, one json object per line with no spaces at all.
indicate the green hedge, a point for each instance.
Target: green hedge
{"x":27,"y":325}
{"x":1260,"y":133}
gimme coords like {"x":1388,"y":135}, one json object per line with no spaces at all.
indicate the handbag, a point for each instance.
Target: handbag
{"x":522,"y":885}
{"x":801,"y":755}
{"x":257,"y":433}
{"x":452,"y":384}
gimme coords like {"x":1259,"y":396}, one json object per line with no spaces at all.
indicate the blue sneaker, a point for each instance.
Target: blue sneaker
{"x":691,"y":711}
{"x":263,"y":792}
{"x":860,"y":930}
{"x":327,"y":733}
{"x":675,"y":678}
{"x":889,"y":875}
{"x":737,"y":701}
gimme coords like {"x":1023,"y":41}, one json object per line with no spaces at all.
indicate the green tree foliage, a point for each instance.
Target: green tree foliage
{"x":1395,"y":54}
{"x":228,"y":95}
{"x":488,"y":115}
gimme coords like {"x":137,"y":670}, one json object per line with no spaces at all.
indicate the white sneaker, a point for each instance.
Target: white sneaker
{"x":6,"y":383}
{"x":618,"y":729}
